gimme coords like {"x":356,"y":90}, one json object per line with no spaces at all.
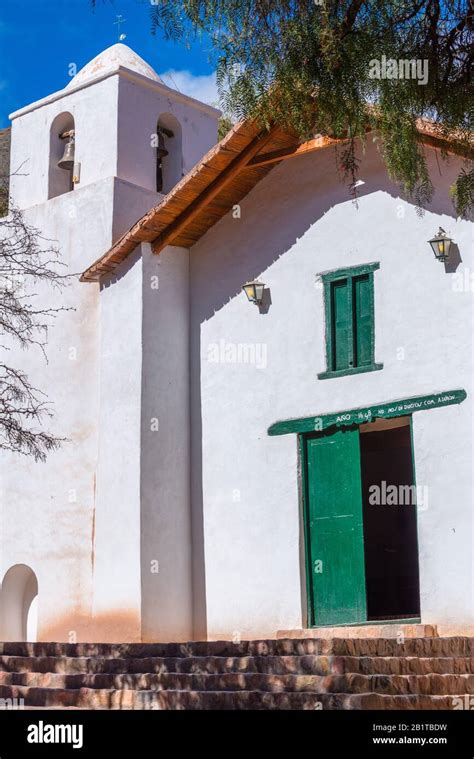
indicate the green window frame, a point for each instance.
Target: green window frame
{"x":350,"y":322}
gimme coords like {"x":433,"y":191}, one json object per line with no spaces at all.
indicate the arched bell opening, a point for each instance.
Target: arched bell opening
{"x":61,"y":155}
{"x":169,"y":154}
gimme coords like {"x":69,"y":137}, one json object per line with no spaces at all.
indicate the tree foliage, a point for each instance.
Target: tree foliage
{"x":224,"y":126}
{"x":310,"y":65}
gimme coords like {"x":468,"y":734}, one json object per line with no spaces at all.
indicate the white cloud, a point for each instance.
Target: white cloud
{"x":203,"y":88}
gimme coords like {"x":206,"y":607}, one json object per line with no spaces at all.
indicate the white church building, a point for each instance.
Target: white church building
{"x":291,"y":454}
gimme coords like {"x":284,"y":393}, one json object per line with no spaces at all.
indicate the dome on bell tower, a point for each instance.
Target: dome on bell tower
{"x":110,"y":60}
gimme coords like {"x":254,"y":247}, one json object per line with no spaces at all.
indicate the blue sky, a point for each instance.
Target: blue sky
{"x":39,"y":39}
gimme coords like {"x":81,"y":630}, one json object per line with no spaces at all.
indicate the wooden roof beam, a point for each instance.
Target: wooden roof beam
{"x":323,"y":142}
{"x":294,"y":150}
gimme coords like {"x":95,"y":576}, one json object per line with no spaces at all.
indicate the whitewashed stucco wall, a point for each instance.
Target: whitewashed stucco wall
{"x":136,"y":150}
{"x":94,"y":110}
{"x":297,"y":223}
{"x":117,"y":595}
{"x":47,"y":509}
{"x":142,"y":573}
{"x":166,"y":549}
{"x":110,"y":140}
{"x":52,"y":518}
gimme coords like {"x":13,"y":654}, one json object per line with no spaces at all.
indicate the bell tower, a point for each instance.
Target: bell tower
{"x":115,"y":118}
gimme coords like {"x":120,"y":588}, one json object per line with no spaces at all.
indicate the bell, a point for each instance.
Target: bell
{"x":67,"y":161}
{"x":161,"y":151}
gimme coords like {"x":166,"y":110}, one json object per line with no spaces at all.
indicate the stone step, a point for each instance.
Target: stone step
{"x":389,"y":647}
{"x":400,"y":665}
{"x":384,"y":630}
{"x":378,"y":701}
{"x":276,"y":665}
{"x":432,"y":684}
{"x":86,"y":698}
{"x":328,"y":673}
{"x":419,"y":647}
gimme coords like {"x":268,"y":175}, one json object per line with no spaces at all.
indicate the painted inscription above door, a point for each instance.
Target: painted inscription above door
{"x":369,"y":413}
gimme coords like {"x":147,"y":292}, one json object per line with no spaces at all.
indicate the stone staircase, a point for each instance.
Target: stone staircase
{"x":336,"y":673}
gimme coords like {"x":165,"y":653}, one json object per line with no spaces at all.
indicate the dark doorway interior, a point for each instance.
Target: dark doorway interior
{"x":390,"y":528}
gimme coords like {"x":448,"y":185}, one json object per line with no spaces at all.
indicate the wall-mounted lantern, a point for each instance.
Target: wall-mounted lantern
{"x":254,"y":291}
{"x":441,"y":244}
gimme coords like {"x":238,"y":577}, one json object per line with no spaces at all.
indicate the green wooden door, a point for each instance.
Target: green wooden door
{"x":335,"y":539}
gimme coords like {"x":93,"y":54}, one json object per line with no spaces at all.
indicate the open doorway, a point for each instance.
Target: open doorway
{"x":390,"y":520}
{"x":361,"y":524}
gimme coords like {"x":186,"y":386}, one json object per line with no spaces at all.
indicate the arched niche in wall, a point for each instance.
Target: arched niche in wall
{"x":18,"y":604}
{"x":169,"y":168}
{"x":59,"y":180}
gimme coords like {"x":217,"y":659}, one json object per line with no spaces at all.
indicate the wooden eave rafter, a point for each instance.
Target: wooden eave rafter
{"x":222,"y":179}
{"x":214,"y":184}
{"x":212,"y":190}
{"x":293,"y":151}
{"x":453,"y":143}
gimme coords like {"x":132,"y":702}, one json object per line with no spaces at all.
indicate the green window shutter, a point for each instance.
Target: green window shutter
{"x":341,"y":319}
{"x":349,"y":316}
{"x":363,"y":320}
